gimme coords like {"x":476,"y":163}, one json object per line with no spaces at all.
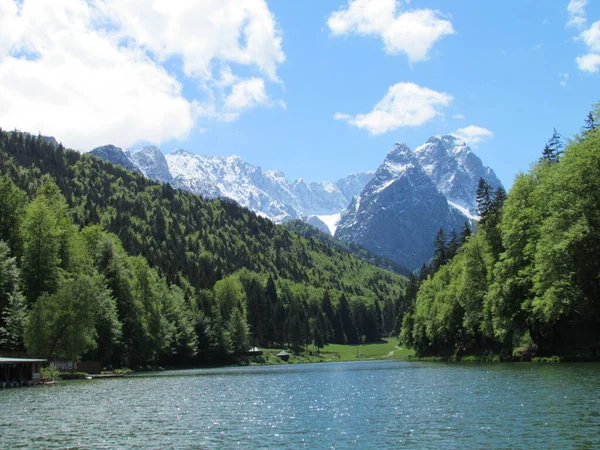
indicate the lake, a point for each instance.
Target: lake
{"x":378,"y":404}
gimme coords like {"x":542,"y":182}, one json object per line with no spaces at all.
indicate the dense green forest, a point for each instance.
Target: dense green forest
{"x":98,"y":262}
{"x":528,"y":281}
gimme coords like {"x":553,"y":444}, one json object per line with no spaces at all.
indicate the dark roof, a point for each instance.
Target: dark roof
{"x":20,"y":360}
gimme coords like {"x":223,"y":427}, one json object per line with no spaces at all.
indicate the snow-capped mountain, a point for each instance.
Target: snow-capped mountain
{"x":394,"y":212}
{"x":152,"y":163}
{"x":455,"y":170}
{"x":399,"y":212}
{"x":115,"y":155}
{"x":266,"y":192}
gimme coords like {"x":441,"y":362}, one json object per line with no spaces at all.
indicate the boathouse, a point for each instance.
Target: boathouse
{"x":19,"y":371}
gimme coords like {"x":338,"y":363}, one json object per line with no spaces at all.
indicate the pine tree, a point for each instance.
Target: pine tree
{"x":590,"y":124}
{"x":553,"y":148}
{"x":484,"y":199}
{"x":440,"y":253}
{"x":466,"y":232}
{"x":454,"y":244}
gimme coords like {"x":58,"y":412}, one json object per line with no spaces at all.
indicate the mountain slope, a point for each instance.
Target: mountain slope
{"x":269,"y":193}
{"x":183,"y":234}
{"x":152,"y":163}
{"x":455,"y":170}
{"x":399,"y":212}
{"x":116,"y":155}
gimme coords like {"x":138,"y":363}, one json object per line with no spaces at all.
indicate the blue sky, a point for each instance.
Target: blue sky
{"x":292,"y":85}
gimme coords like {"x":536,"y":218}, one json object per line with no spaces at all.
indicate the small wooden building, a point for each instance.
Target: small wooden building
{"x":20,"y":371}
{"x":285,"y":356}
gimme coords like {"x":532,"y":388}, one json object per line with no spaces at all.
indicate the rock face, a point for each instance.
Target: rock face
{"x":115,"y":155}
{"x":399,"y":212}
{"x":267,"y":192}
{"x":152,"y":163}
{"x":455,"y":170}
{"x":394,"y":212}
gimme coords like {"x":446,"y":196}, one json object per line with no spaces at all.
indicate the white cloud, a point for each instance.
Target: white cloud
{"x":591,"y":37}
{"x":576,"y":10}
{"x":589,"y":63}
{"x":200,"y":32}
{"x":473,"y":135}
{"x":247,"y":94}
{"x":91,"y":72}
{"x":413,"y":32}
{"x":564,"y":78}
{"x":458,"y":116}
{"x":405,"y":104}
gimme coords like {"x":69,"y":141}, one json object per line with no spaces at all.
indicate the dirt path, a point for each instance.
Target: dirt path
{"x":390,"y":354}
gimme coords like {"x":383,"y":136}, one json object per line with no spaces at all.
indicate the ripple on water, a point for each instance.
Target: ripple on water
{"x":360,"y":405}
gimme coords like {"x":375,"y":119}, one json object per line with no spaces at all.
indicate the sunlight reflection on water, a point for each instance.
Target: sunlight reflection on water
{"x":360,"y":405}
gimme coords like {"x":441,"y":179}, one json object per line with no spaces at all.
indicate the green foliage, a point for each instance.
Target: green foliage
{"x":51,"y":373}
{"x":13,"y":313}
{"x":64,"y":324}
{"x":12,"y":203}
{"x":130,"y":272}
{"x":529,"y":279}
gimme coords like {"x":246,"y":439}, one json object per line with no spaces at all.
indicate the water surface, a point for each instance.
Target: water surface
{"x":379,"y":404}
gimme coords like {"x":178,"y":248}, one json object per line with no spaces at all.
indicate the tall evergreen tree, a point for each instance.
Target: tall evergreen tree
{"x":590,"y":124}
{"x":553,"y":148}
{"x":440,"y":252}
{"x":466,"y":232}
{"x":484,"y":200}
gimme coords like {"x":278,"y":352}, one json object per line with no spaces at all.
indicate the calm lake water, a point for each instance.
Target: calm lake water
{"x":380,"y":404}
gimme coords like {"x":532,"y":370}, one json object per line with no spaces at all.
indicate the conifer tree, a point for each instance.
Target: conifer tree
{"x":484,"y":199}
{"x":440,"y":253}
{"x":590,"y":123}
{"x":466,"y":232}
{"x":553,"y":148}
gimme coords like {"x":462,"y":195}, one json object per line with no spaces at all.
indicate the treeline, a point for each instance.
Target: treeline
{"x":101,"y":263}
{"x":528,"y":281}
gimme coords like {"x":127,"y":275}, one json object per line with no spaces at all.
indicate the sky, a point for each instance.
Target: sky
{"x":315,"y":88}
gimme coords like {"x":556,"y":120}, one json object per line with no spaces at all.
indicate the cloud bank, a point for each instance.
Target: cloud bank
{"x":87,"y":70}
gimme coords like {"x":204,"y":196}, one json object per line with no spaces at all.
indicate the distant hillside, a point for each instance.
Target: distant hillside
{"x":309,"y":231}
{"x":201,"y":246}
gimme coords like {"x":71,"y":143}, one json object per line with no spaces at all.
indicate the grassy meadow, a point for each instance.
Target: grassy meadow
{"x":389,"y":348}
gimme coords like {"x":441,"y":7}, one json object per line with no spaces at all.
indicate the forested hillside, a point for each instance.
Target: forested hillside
{"x":100,"y":262}
{"x":528,"y":281}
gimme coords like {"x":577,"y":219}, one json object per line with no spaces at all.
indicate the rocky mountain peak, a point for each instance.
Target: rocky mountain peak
{"x":152,"y":163}
{"x":399,"y":212}
{"x":455,"y":170}
{"x":115,"y":155}
{"x":400,"y":154}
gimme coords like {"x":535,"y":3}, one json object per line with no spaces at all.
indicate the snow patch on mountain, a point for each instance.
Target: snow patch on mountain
{"x":331,"y":221}
{"x":464,"y":211}
{"x":268,"y":192}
